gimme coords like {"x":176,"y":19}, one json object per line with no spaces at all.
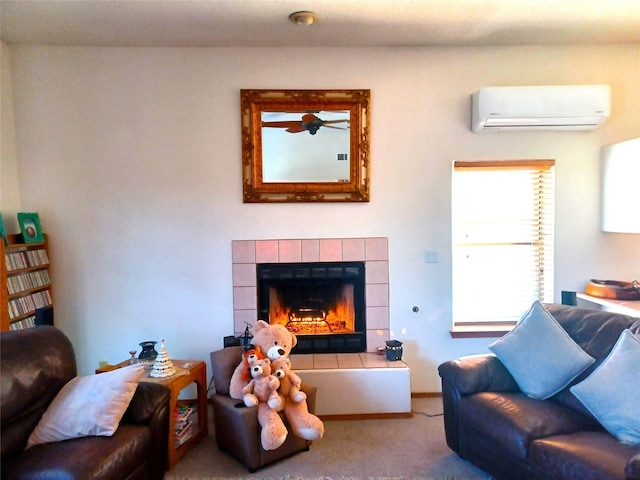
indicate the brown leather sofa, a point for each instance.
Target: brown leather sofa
{"x":491,"y":423}
{"x":35,"y":364}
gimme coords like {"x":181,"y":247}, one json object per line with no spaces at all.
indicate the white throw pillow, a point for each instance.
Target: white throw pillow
{"x":610,"y":393}
{"x":88,"y":406}
{"x":540,"y":355}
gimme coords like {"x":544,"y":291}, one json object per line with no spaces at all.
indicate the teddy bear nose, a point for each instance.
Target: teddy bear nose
{"x":281,"y":352}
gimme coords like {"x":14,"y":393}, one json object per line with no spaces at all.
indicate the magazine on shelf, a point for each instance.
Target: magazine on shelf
{"x":183,"y":434}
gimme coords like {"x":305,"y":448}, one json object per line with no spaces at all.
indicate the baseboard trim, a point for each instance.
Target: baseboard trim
{"x":426,"y":394}
{"x":367,"y":416}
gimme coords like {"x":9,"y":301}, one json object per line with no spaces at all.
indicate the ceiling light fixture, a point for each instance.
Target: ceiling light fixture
{"x":303,"y":18}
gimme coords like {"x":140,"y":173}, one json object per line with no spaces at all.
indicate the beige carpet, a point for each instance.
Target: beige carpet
{"x":396,"y":449}
{"x":319,"y":478}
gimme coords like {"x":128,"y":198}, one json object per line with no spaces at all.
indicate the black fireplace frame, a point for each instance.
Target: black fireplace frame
{"x":281,"y":274}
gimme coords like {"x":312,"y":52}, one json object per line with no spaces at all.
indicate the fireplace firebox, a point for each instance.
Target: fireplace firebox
{"x":322,"y":303}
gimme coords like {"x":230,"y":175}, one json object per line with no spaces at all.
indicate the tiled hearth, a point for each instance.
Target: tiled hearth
{"x":373,"y":251}
{"x":372,"y":384}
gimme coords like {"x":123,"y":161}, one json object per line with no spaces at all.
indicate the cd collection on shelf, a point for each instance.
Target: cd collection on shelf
{"x":24,"y":323}
{"x":26,"y":259}
{"x":28,"y":281}
{"x":29,"y":303}
{"x":25,"y":281}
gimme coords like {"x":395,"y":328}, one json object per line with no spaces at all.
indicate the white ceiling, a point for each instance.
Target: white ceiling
{"x":249,"y":23}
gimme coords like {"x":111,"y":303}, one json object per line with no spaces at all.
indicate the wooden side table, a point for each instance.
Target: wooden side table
{"x":188,"y":372}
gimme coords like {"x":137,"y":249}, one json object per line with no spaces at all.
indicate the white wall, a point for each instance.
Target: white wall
{"x":132,"y":158}
{"x":9,"y":185}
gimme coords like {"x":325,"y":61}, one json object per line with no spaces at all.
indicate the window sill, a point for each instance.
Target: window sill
{"x":476,"y":331}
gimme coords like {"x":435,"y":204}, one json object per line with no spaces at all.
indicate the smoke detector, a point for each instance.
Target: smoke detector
{"x":303,"y":18}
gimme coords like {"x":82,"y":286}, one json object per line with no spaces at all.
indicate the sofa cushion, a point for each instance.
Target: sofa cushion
{"x":91,"y":405}
{"x":596,"y":331}
{"x":610,"y":393}
{"x":632,"y":470}
{"x":540,"y":354}
{"x":582,"y":455}
{"x":515,"y":420}
{"x":94,"y":458}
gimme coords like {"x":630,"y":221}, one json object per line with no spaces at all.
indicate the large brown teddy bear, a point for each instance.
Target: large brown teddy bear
{"x":262,"y":391}
{"x":275,"y":341}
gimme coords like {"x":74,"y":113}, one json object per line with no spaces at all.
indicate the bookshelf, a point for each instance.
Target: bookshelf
{"x":25,"y":282}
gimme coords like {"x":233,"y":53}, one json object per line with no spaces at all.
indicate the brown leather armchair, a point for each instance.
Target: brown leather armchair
{"x":236,"y":426}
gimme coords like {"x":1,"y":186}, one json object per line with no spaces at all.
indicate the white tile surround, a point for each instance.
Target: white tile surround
{"x":373,"y":251}
{"x":335,"y":375}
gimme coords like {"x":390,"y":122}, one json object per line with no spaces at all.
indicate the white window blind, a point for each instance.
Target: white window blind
{"x":502,"y":220}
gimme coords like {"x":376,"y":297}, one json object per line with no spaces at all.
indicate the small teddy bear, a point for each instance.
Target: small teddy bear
{"x":261,"y":391}
{"x":242,"y":374}
{"x":289,"y":381}
{"x":248,"y":359}
{"x":263,"y":386}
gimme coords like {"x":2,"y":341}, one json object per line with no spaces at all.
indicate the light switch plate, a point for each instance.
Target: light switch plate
{"x":431,"y":256}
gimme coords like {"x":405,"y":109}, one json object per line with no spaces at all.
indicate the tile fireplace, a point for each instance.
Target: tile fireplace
{"x":332,"y":293}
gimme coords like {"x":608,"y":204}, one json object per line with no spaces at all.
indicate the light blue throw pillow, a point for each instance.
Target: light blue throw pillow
{"x":540,"y":355}
{"x":611,"y":392}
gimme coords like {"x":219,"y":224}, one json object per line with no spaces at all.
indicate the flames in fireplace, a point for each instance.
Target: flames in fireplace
{"x":315,"y":316}
{"x":323,"y":304}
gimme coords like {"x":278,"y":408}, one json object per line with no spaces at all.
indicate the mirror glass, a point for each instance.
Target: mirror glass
{"x":305,"y":145}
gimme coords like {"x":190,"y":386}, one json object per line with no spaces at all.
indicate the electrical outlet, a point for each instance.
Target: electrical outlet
{"x":431,"y":256}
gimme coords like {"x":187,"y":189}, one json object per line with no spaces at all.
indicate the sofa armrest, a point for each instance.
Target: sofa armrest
{"x":151,"y":405}
{"x":478,"y":373}
{"x":147,"y":400}
{"x":466,"y":376}
{"x":632,"y":470}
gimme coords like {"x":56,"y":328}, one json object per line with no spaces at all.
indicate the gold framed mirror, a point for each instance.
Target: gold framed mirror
{"x":305,"y":145}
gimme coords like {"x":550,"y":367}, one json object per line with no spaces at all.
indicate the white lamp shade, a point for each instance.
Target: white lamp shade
{"x":621,"y":187}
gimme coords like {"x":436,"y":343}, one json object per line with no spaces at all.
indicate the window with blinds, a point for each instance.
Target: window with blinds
{"x":502,"y":235}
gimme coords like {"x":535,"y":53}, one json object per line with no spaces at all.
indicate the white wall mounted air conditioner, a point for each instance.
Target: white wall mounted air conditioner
{"x":564,"y":107}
